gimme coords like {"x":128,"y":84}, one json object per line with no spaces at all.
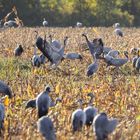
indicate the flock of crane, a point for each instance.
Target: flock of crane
{"x":53,"y":51}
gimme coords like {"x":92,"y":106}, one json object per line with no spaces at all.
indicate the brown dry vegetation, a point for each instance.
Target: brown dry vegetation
{"x":116,"y":93}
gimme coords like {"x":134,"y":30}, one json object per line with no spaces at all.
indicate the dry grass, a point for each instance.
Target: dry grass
{"x":116,"y":93}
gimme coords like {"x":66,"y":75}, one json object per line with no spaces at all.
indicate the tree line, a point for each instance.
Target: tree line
{"x":68,"y":12}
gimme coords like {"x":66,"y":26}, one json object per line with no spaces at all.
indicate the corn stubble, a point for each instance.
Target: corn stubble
{"x":116,"y":93}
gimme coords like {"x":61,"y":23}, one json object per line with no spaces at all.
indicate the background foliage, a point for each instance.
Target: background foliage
{"x":68,"y":12}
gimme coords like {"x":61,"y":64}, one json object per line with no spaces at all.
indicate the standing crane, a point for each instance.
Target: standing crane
{"x":46,"y":128}
{"x":78,"y":118}
{"x":103,"y":126}
{"x":90,"y":111}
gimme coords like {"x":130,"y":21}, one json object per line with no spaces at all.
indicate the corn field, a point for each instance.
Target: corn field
{"x":116,"y":92}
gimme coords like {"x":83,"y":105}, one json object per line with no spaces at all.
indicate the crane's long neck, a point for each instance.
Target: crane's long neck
{"x":65,"y":42}
{"x":126,"y":55}
{"x":90,"y":101}
{"x":80,"y":104}
{"x":95,"y":59}
{"x":87,"y":40}
{"x":54,"y":103}
{"x":50,"y":37}
{"x":138,"y":53}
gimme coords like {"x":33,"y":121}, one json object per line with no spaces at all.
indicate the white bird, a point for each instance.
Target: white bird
{"x":78,"y":118}
{"x":10,"y":23}
{"x":117,"y":30}
{"x":90,"y":111}
{"x":103,"y":126}
{"x":117,"y":25}
{"x":43,"y":102}
{"x":2,"y":115}
{"x":92,"y":68}
{"x":45,"y":23}
{"x":79,"y":24}
{"x":46,"y":128}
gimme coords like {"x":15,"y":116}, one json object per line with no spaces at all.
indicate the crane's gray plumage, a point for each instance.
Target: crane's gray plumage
{"x":56,"y":51}
{"x":1,"y":23}
{"x":78,"y":118}
{"x":92,"y":68}
{"x":117,"y":30}
{"x":2,"y":115}
{"x":136,"y":61}
{"x":56,"y":44}
{"x":134,"y":51}
{"x":110,"y":56}
{"x":36,"y":61}
{"x":54,"y":54}
{"x":99,"y":47}
{"x":42,"y":59}
{"x":43,"y":101}
{"x":44,"y":47}
{"x":114,"y":53}
{"x":31,"y":103}
{"x":96,"y":46}
{"x":138,"y":64}
{"x":52,"y":104}
{"x":103,"y":126}
{"x":106,"y":50}
{"x":10,"y":23}
{"x":19,"y":50}
{"x":5,"y":89}
{"x":73,"y":56}
{"x":57,"y":54}
{"x":117,"y":62}
{"x":46,"y":128}
{"x":45,"y":23}
{"x":89,"y":44}
{"x":90,"y":111}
